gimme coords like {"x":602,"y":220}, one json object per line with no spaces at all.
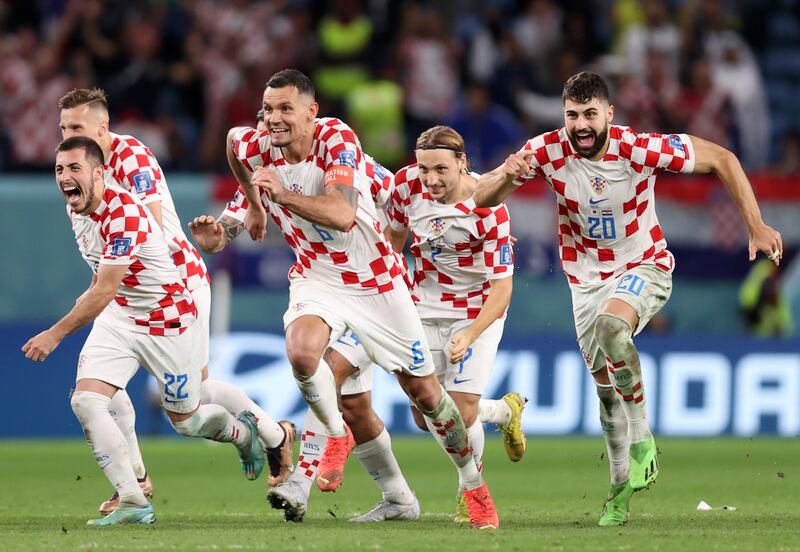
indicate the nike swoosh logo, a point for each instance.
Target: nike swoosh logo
{"x":457,"y":381}
{"x":593,"y":202}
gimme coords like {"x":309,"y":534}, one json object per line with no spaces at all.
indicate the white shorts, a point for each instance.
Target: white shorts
{"x":472,"y":373}
{"x":349,"y":346}
{"x":113,"y":354}
{"x":386,"y":323}
{"x":646,"y":288}
{"x":202,"y":299}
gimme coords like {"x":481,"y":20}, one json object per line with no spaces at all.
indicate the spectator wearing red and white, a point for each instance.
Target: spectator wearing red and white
{"x":614,"y":253}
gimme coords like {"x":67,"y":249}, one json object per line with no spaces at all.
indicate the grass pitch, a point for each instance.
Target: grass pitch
{"x":551,"y":500}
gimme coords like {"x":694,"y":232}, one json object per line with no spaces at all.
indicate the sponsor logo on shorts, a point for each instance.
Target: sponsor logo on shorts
{"x":348,"y":157}
{"x":120,"y":246}
{"x":598,"y":184}
{"x":297,"y":307}
{"x":457,"y":381}
{"x":675,"y":142}
{"x":142,"y":182}
{"x":587,"y":358}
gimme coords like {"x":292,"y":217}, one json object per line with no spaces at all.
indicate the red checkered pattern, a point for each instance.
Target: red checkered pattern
{"x":636,"y":395}
{"x":151,"y":298}
{"x":441,"y":429}
{"x":607,"y":221}
{"x":457,"y":248}
{"x":132,"y":166}
{"x":359,"y":261}
{"x":309,"y":469}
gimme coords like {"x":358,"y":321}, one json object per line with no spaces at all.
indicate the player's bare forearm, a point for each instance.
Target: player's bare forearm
{"x":493,"y":188}
{"x":156,"y":211}
{"x":231,"y":228}
{"x":496,"y":304}
{"x":396,"y":237}
{"x":711,"y":157}
{"x":87,"y":309}
{"x":336,"y":209}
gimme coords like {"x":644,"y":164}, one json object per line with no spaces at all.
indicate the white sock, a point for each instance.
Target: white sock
{"x":312,"y":444}
{"x":447,"y":427}
{"x":124,"y":416}
{"x":494,"y":411}
{"x":108,"y":444}
{"x":476,"y":441}
{"x":615,"y":432}
{"x":213,"y":422}
{"x":378,"y":459}
{"x":234,"y":400}
{"x":319,"y":392}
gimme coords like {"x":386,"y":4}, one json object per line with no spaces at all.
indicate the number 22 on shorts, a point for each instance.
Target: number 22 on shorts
{"x":178,"y":393}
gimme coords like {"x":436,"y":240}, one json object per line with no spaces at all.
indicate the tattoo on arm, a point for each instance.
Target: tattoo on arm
{"x":230,"y":227}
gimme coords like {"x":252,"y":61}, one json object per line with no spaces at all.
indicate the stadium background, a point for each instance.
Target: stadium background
{"x":722,"y":359}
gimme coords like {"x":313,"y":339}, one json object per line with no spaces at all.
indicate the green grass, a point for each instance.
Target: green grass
{"x":549,"y":501}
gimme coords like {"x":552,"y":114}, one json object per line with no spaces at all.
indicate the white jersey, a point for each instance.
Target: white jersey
{"x":357,"y":261}
{"x":607,"y":220}
{"x":133,"y":167}
{"x":151,"y":297}
{"x":457,"y":248}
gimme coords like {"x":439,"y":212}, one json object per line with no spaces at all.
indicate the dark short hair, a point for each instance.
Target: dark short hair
{"x":292,"y":77}
{"x":82,"y":96}
{"x":93,"y":152}
{"x":583,"y":86}
{"x":260,"y":115}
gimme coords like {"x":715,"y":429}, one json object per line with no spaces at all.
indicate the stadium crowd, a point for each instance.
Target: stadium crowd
{"x":181,"y":73}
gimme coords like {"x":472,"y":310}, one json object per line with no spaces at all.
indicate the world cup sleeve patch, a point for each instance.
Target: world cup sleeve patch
{"x":142,"y":182}
{"x":506,"y":255}
{"x":120,"y":246}
{"x":675,"y":142}
{"x":340,"y":175}
{"x":348,"y":158}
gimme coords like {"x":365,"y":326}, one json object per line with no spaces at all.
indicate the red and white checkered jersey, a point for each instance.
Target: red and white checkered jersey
{"x":607,"y":220}
{"x":457,"y":248}
{"x":132,"y":166}
{"x":358,"y":261}
{"x":151,"y":297}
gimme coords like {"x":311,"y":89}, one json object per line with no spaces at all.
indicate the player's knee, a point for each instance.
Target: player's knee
{"x":189,"y":427}
{"x":85,"y":404}
{"x":304,"y":362}
{"x":612,"y":334}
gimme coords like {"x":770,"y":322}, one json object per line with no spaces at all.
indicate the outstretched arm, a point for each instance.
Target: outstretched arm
{"x":711,"y":157}
{"x":87,"y":309}
{"x":495,"y":186}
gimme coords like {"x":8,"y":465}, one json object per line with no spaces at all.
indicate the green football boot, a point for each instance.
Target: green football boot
{"x":615,"y":511}
{"x":126,"y":515}
{"x":251,"y":457}
{"x":462,"y":515}
{"x":644,"y":464}
{"x":513,"y":436}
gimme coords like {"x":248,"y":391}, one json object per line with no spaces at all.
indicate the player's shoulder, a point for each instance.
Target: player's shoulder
{"x":332,"y":131}
{"x":118,"y":198}
{"x":495,"y":215}
{"x":408,"y":179}
{"x":125,"y":142}
{"x":546,"y":139}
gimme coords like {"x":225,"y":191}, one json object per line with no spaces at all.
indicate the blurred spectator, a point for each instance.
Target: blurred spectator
{"x":430,"y":59}
{"x":657,"y":34}
{"x":489,"y":130}
{"x":375,"y":111}
{"x":763,"y":306}
{"x":537,"y":31}
{"x":789,"y":164}
{"x":703,"y":106}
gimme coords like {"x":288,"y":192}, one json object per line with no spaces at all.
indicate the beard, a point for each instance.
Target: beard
{"x":594,"y":149}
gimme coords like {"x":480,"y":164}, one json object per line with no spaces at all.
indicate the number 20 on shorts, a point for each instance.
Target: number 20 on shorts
{"x":630,"y":284}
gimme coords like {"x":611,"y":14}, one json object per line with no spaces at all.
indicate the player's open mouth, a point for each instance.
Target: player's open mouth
{"x":72,"y":193}
{"x":279,"y":131}
{"x":585,"y":139}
